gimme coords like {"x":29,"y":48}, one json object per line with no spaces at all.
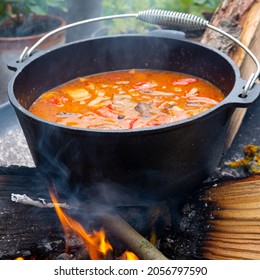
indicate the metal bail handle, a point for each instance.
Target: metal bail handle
{"x":164,"y":18}
{"x":193,"y":22}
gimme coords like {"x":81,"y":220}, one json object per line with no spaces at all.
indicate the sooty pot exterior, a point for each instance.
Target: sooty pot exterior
{"x":134,"y":166}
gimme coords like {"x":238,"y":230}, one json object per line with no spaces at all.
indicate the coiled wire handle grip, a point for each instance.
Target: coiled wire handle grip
{"x":178,"y":20}
{"x":181,"y":21}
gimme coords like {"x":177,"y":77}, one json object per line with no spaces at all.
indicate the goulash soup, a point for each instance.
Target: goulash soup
{"x":127,"y":99}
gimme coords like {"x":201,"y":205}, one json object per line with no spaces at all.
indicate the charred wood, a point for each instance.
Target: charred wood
{"x":25,"y":230}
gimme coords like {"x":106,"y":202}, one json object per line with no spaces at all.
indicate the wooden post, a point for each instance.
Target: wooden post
{"x":242,"y":20}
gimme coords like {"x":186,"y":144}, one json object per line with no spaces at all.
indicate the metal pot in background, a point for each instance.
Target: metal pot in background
{"x":11,"y":48}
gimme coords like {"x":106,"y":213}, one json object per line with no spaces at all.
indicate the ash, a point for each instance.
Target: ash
{"x":190,"y":228}
{"x":14,"y":149}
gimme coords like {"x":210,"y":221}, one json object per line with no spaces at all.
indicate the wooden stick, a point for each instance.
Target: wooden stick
{"x":130,"y":237}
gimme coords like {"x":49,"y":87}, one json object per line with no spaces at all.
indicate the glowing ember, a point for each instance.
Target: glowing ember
{"x":97,"y":245}
{"x":19,"y":259}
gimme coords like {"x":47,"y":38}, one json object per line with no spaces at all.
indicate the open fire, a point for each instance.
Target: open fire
{"x":189,"y":227}
{"x":65,"y":228}
{"x":96,"y":243}
{"x":31,"y":229}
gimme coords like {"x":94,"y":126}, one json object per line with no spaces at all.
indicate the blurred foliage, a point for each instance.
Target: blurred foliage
{"x":17,"y":10}
{"x":197,"y":7}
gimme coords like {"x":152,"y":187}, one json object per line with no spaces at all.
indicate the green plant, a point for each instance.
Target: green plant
{"x":19,"y":12}
{"x":123,"y":7}
{"x":197,"y":7}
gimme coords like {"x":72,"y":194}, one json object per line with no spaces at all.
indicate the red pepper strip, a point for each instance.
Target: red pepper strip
{"x":106,"y":112}
{"x":109,"y":106}
{"x":57,"y":100}
{"x":54,"y":101}
{"x":184,"y":82}
{"x":131,"y":124}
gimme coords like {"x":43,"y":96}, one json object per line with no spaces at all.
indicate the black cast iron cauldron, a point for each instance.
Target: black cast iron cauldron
{"x":126,"y":166}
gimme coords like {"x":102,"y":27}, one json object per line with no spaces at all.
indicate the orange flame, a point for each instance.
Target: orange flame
{"x":19,"y":259}
{"x":128,"y":255}
{"x":96,"y":243}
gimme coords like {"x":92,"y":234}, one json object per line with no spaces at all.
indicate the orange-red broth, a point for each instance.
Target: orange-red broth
{"x":126,"y":99}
